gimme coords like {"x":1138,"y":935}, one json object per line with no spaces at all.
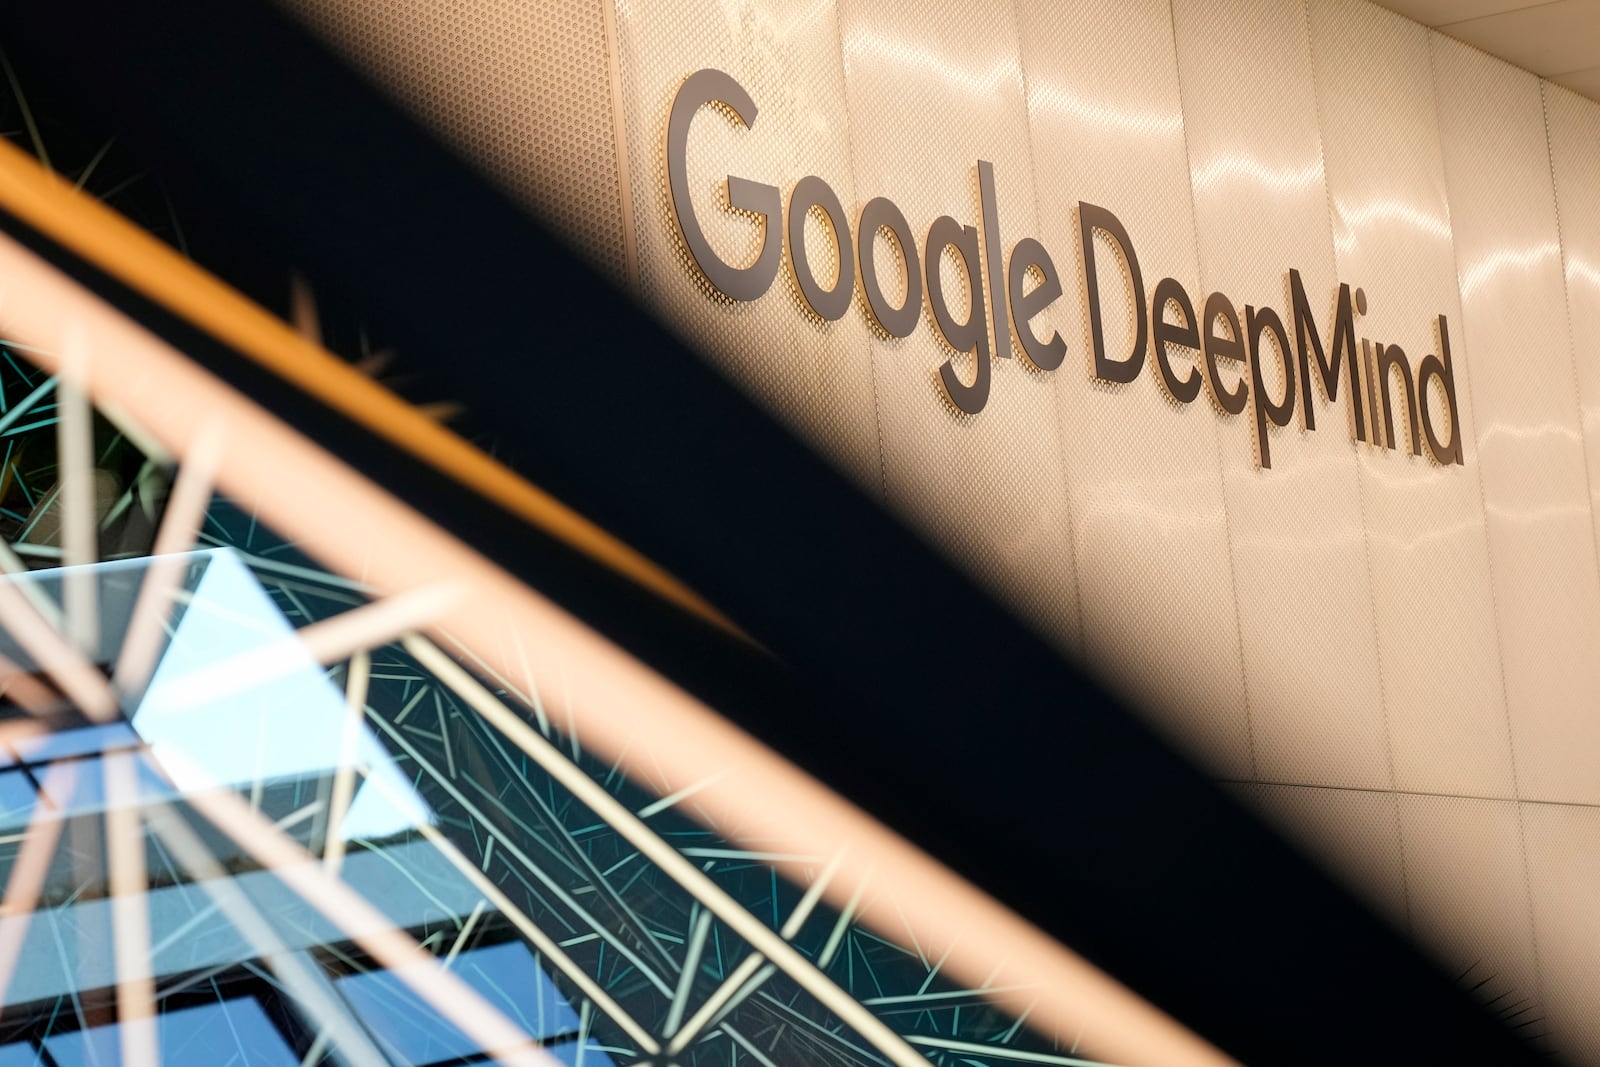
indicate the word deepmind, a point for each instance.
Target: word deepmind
{"x":1217,"y":336}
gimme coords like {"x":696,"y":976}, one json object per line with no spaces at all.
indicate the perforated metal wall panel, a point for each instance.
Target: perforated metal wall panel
{"x":816,"y":376}
{"x":521,"y":90}
{"x":1561,"y":840}
{"x":1563,"y":870}
{"x":1426,"y":542}
{"x":1482,"y":924}
{"x":1536,"y":494}
{"x":1150,"y":527}
{"x":1299,"y":546}
{"x":1426,"y":545}
{"x":1355,"y":831}
{"x":1531,"y":457}
{"x":933,"y":89}
{"x":1574,"y":128}
{"x":1393,"y":659}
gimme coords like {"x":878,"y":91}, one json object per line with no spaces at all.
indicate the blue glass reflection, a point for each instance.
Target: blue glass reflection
{"x":236,"y":1033}
{"x":413,"y":1033}
{"x":18,"y":1056}
{"x":85,"y":791}
{"x":286,"y":725}
{"x":107,"y":737}
{"x":16,"y":804}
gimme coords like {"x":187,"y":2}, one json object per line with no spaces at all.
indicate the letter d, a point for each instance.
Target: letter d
{"x":1090,"y":219}
{"x":1441,"y":368}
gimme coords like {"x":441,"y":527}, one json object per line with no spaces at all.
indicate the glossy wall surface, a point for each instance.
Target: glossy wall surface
{"x":1396,"y":660}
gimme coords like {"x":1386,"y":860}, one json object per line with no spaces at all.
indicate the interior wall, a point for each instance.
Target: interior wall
{"x":1395,"y":659}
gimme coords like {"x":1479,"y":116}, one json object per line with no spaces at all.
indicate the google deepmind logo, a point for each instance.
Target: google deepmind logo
{"x":1217,"y":335}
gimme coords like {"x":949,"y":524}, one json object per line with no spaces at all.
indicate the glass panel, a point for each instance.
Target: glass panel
{"x":273,"y":722}
{"x":16,"y":800}
{"x":415,"y":1034}
{"x":18,"y":1056}
{"x":87,"y":790}
{"x":81,"y":742}
{"x":233,"y":1033}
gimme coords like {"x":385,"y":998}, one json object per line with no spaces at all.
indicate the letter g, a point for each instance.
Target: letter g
{"x":738,"y":283}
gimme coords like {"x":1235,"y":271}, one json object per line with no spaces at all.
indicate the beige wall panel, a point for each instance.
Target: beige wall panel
{"x":815,"y":376}
{"x":1574,"y":131}
{"x":1530,"y":443}
{"x":1426,"y":538}
{"x":1564,"y":842}
{"x":1564,"y":871}
{"x":1300,"y":566}
{"x":1355,"y":833}
{"x":1468,"y":891}
{"x":934,"y":88}
{"x":521,"y":90}
{"x":1149,"y":524}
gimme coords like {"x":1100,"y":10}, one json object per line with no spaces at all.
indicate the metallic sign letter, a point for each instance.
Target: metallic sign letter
{"x":881,"y":214}
{"x":1185,"y":334}
{"x":1090,"y":219}
{"x":1390,"y":357}
{"x":829,"y":304}
{"x":995,"y":257}
{"x":1342,"y":347}
{"x":1441,"y":368}
{"x":1046,"y":355}
{"x":971,"y":335}
{"x":1258,"y":321}
{"x":1223,"y":346}
{"x":737,"y":283}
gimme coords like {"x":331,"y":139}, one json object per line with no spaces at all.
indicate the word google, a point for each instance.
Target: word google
{"x":1217,"y":336}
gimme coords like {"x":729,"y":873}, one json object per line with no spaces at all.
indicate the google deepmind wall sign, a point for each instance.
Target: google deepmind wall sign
{"x":1217,"y":334}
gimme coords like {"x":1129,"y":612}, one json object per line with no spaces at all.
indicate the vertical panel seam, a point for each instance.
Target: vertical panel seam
{"x":1588,"y":481}
{"x":855,"y":182}
{"x":1355,"y":449}
{"x":1216,"y":432}
{"x":1566,"y":306}
{"x":1357,"y":465}
{"x":1545,"y":87}
{"x":1361,"y":492}
{"x":1057,"y":385}
{"x":619,"y":132}
{"x":1488,"y":542}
